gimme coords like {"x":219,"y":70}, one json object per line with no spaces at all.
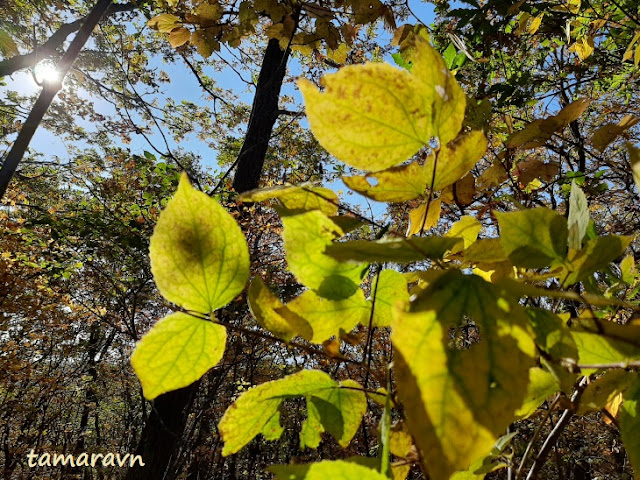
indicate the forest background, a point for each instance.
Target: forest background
{"x":209,"y":88}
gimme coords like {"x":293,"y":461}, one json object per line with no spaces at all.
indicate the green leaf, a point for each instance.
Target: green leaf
{"x":306,"y":235}
{"x":551,"y":334}
{"x":325,"y":470}
{"x":446,"y":390}
{"x":554,"y":338}
{"x":398,"y":250}
{"x":533,"y":238}
{"x":542,"y":384}
{"x":630,"y":423}
{"x":271,"y":314}
{"x":297,"y":197}
{"x":596,"y":254}
{"x":389,"y":288}
{"x":604,"y":342}
{"x":199,"y":257}
{"x":578,"y":216}
{"x":327,"y":317}
{"x":485,"y":250}
{"x":375,"y":116}
{"x":601,"y":391}
{"x":339,"y":411}
{"x":8,"y":47}
{"x":176,"y":352}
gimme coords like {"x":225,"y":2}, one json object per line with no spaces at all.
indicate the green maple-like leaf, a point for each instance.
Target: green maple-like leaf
{"x":257,"y":410}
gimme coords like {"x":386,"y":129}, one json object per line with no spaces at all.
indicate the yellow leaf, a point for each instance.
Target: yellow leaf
{"x":492,"y":176}
{"x":271,"y":314}
{"x":634,"y":159}
{"x":361,"y":117}
{"x":604,"y":135}
{"x":629,"y":52}
{"x":571,"y":6}
{"x":535,"y":24}
{"x":164,"y":23}
{"x":612,"y":407}
{"x":531,"y":169}
{"x":448,"y":101}
{"x":209,"y":10}
{"x":572,"y":112}
{"x":522,"y":23}
{"x":584,"y":47}
{"x":536,"y":133}
{"x":450,"y":426}
{"x":636,"y":57}
{"x":204,"y":42}
{"x":395,"y":184}
{"x":461,"y":192}
{"x":466,"y":228}
{"x":8,"y":46}
{"x":375,"y":116}
{"x":179,"y":37}
{"x":421,"y":219}
{"x":339,"y":55}
{"x":513,"y":9}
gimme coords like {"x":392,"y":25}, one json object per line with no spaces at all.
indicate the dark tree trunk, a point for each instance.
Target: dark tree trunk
{"x":264,"y":113}
{"x":162,"y":434}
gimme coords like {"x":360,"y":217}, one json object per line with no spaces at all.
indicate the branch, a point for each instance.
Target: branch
{"x":47,"y":95}
{"x":51,"y":46}
{"x":557,"y":430}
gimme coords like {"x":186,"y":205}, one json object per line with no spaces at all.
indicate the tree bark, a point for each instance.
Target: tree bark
{"x":264,"y":114}
{"x":162,"y":434}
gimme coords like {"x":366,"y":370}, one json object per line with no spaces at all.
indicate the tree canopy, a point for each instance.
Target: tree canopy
{"x":325,"y":239}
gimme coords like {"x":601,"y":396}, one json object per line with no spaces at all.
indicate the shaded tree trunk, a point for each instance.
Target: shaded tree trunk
{"x":264,"y":114}
{"x":162,"y":434}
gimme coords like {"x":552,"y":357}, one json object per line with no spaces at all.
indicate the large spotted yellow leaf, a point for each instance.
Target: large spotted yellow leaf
{"x":334,"y":407}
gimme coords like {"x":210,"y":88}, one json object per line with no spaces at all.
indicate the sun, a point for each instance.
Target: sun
{"x":46,"y":72}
